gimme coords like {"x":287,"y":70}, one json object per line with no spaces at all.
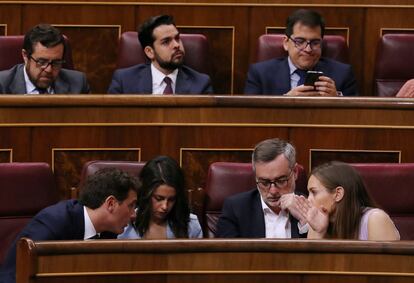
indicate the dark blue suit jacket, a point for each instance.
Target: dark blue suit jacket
{"x":62,"y":221}
{"x":273,"y":76}
{"x":138,"y":79}
{"x":242,"y":217}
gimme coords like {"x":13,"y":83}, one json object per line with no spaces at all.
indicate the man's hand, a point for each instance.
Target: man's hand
{"x":289,"y":202}
{"x":303,"y":90}
{"x":407,"y":89}
{"x":325,"y":86}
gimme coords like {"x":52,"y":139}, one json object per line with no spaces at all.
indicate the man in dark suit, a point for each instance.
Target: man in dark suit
{"x":43,"y":53}
{"x":105,"y":207}
{"x":270,"y":210}
{"x":166,"y":74}
{"x":286,"y":76}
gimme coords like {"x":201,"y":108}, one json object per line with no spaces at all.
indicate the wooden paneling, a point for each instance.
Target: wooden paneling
{"x":198,"y":130}
{"x":6,"y":155}
{"x":237,"y":2}
{"x":87,"y":43}
{"x":195,"y":161}
{"x":221,"y":46}
{"x":320,"y":156}
{"x":231,"y":26}
{"x":68,"y":163}
{"x":230,"y":260}
{"x":10,"y":18}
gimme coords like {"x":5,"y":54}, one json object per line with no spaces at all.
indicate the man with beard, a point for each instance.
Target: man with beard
{"x":166,"y":73}
{"x":286,"y":75}
{"x":42,"y":73}
{"x":270,"y":210}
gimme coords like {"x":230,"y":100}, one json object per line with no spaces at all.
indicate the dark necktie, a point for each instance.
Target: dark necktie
{"x":302,"y":75}
{"x":168,"y":88}
{"x":42,"y":90}
{"x":94,"y":237}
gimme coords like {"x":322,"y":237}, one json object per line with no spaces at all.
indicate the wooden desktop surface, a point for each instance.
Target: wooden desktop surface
{"x":230,"y":260}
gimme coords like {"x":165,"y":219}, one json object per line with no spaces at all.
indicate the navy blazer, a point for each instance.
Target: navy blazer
{"x":61,"y":221}
{"x":272,"y":77}
{"x":242,"y":217}
{"x":68,"y":82}
{"x":138,"y":80}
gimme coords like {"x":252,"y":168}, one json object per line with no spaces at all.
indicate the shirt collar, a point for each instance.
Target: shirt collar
{"x":292,"y":67}
{"x":30,"y":87}
{"x":267,"y":209}
{"x":158,"y":76}
{"x":89,"y":228}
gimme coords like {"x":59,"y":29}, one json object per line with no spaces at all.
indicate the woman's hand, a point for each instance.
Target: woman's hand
{"x":317,"y":218}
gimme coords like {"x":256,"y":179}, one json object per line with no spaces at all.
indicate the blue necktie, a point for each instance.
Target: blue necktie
{"x":302,"y":75}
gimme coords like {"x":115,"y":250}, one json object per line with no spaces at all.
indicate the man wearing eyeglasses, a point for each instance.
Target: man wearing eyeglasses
{"x":286,"y":76}
{"x":42,"y":71}
{"x":268,"y":211}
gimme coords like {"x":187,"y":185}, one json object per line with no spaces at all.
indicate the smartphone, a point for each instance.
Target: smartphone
{"x":312,"y":77}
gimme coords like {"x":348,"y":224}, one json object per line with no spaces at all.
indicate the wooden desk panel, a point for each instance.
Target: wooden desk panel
{"x":198,"y":130}
{"x":214,"y":261}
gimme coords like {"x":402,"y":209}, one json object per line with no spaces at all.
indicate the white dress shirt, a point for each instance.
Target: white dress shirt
{"x":276,"y":225}
{"x":158,"y":84}
{"x":89,"y":228}
{"x":294,"y":77}
{"x":30,"y":87}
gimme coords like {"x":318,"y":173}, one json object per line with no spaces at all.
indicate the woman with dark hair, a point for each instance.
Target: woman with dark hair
{"x":162,"y":207}
{"x":339,"y":206}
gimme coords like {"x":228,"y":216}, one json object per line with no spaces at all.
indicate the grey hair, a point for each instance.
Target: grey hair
{"x":267,"y":150}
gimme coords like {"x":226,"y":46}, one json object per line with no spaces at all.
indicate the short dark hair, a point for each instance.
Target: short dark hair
{"x":104,"y":183}
{"x":305,"y":17}
{"x":146,"y":30}
{"x":267,"y":150}
{"x":46,"y":34}
{"x":163,"y":170}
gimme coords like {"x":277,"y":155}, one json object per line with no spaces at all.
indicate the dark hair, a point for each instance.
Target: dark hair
{"x":47,"y":35}
{"x":308,"y":18}
{"x":163,"y":170}
{"x":146,"y":30}
{"x":268,"y":150}
{"x":349,"y":210}
{"x":104,"y":183}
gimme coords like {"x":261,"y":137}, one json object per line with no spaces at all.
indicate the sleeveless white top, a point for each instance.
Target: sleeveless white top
{"x":363,"y":225}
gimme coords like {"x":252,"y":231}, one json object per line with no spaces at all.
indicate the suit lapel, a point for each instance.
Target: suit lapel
{"x":61,"y":86}
{"x":285,"y":76}
{"x":280,"y":77}
{"x":144,"y":80}
{"x":183,"y":84}
{"x":258,"y":217}
{"x":321,"y":66}
{"x":294,"y":230}
{"x":18,"y":85}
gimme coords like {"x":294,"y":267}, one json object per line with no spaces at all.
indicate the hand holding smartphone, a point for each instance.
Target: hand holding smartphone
{"x":312,"y":77}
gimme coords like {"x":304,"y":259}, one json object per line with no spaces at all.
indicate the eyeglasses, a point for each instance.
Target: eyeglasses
{"x":43,"y":63}
{"x":278,"y":183}
{"x":301,"y":43}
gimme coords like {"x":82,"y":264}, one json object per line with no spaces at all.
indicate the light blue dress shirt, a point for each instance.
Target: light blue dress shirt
{"x":194,"y":230}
